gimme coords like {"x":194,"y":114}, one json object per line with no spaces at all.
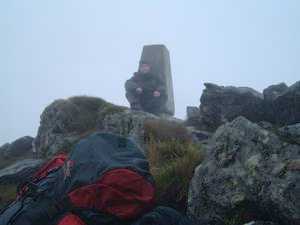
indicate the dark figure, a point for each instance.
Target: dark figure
{"x":146,"y":91}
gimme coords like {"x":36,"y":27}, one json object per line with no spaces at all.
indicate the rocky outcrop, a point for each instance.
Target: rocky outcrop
{"x":249,"y":172}
{"x":20,"y":147}
{"x":192,"y":112}
{"x":132,"y":124}
{"x":128,"y":123}
{"x":193,"y":116}
{"x":274,"y":91}
{"x":3,"y":149}
{"x":286,"y":107}
{"x":220,"y":104}
{"x":19,"y":172}
{"x":279,"y":105}
{"x":64,"y":122}
{"x":291,"y":133}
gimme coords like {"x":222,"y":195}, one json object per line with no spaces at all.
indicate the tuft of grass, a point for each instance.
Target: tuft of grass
{"x":88,"y":103}
{"x":7,"y":194}
{"x":164,"y":130}
{"x":86,"y":109}
{"x":172,"y":158}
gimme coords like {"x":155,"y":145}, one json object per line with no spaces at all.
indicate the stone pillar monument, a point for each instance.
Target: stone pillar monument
{"x":159,"y":58}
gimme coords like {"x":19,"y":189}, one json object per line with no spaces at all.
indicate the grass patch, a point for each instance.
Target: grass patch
{"x":172,"y":157}
{"x":86,"y":112}
{"x":91,"y":110}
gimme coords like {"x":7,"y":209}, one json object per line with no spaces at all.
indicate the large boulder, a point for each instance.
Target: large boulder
{"x":286,"y":107}
{"x":20,"y":147}
{"x":279,"y":105}
{"x":131,"y":123}
{"x":64,"y":122}
{"x":220,"y":104}
{"x":134,"y":124}
{"x":192,"y":112}
{"x":128,"y":123}
{"x":291,"y":133}
{"x":193,"y":116}
{"x":274,"y":91}
{"x":249,"y":174}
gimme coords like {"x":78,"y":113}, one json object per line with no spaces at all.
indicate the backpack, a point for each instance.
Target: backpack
{"x":105,"y":176}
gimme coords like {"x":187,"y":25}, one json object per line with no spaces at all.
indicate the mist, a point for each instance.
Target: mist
{"x":57,"y":49}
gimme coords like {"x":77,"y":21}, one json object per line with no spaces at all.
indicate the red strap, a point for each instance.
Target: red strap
{"x":54,"y":163}
{"x":120,"y":192}
{"x":71,"y":219}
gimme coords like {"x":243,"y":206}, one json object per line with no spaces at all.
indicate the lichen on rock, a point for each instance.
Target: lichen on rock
{"x":64,"y":122}
{"x":250,"y":169}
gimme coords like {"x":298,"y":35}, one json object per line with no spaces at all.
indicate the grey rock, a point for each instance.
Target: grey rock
{"x":279,"y":106}
{"x":247,"y":168}
{"x":266,"y":125}
{"x":274,"y":91}
{"x":3,"y":149}
{"x":286,"y":107}
{"x":131,"y":123}
{"x":128,"y":123}
{"x":260,"y":223}
{"x":230,"y":89}
{"x":19,"y":171}
{"x":64,"y":122}
{"x":221,"y":104}
{"x":193,"y":116}
{"x":199,"y":135}
{"x":192,"y":112}
{"x":20,"y":147}
{"x":159,"y":58}
{"x":292,"y":132}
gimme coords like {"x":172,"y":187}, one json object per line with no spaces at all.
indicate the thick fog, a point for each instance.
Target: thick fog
{"x":58,"y":48}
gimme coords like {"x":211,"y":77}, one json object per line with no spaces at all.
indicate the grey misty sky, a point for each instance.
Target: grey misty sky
{"x":59,"y":48}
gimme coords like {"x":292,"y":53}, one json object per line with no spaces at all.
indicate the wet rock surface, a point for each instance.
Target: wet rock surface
{"x":249,"y":172}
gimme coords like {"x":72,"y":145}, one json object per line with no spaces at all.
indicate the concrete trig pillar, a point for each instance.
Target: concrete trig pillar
{"x":159,"y":58}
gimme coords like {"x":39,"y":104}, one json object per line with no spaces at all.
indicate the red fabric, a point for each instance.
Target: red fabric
{"x":71,"y":219}
{"x":56,"y":162}
{"x":120,"y":192}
